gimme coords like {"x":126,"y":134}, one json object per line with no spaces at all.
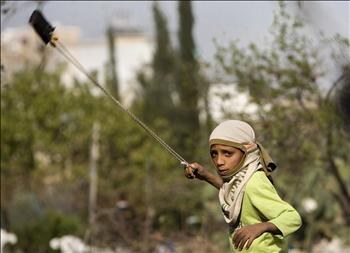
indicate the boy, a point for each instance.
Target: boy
{"x":259,"y":220}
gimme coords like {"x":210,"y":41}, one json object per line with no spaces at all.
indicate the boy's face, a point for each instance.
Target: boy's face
{"x":225,"y":158}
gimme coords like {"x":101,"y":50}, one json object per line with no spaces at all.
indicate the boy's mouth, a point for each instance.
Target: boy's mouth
{"x":223,"y":171}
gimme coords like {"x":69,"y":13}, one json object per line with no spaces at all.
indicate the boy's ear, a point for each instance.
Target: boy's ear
{"x":250,"y":146}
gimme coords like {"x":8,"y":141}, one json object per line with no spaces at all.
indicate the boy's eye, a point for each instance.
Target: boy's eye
{"x":213,"y":154}
{"x":227,"y":153}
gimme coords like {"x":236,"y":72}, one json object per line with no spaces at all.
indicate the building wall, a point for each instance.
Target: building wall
{"x":21,"y":47}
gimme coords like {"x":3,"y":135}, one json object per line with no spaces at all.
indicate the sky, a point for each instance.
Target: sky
{"x":224,"y":21}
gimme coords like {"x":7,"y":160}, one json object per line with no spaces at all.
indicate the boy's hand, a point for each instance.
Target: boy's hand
{"x":246,"y":235}
{"x":195,"y":170}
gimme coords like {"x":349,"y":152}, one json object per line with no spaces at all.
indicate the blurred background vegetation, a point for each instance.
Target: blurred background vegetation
{"x":54,"y":137}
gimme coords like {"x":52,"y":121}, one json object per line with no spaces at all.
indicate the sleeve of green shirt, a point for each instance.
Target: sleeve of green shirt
{"x":264,"y":198}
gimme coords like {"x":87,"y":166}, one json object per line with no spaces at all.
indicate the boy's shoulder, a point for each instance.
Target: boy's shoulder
{"x":257,"y":180}
{"x":258,"y":176}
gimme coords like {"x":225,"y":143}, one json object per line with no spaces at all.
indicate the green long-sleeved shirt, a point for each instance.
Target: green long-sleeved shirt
{"x":261,"y":203}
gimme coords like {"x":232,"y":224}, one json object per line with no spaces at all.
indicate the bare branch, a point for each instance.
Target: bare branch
{"x":334,"y":169}
{"x":334,"y":86}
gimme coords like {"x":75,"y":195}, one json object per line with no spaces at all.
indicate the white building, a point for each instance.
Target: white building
{"x":133,"y":50}
{"x":226,"y":100}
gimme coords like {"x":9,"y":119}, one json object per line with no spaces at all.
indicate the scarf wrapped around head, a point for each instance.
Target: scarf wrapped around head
{"x":237,"y":134}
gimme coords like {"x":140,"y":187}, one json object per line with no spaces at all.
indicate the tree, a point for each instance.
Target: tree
{"x":170,"y":87}
{"x":297,"y":119}
{"x":188,"y":81}
{"x":158,"y":88}
{"x":343,"y":95}
{"x":111,"y":73}
{"x":39,"y":117}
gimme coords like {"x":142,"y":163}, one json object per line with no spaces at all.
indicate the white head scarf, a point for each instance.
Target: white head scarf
{"x":237,"y":134}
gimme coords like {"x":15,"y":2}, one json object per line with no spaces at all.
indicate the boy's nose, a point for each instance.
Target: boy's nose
{"x":220,"y":160}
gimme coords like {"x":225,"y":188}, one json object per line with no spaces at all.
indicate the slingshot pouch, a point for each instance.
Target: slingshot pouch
{"x":41,"y":26}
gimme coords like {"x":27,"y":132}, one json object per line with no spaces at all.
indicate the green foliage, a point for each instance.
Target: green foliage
{"x":35,"y":226}
{"x":40,"y":119}
{"x":163,"y":59}
{"x":170,"y":89}
{"x":187,"y":81}
{"x":343,"y":96}
{"x":111,"y":66}
{"x":46,"y":132}
{"x":160,"y":84}
{"x":296,"y":119}
{"x":186,"y":42}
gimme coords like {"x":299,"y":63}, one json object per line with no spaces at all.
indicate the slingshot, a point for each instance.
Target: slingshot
{"x":45,"y":30}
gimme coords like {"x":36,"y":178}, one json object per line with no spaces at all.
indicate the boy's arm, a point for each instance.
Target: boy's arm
{"x":246,"y":235}
{"x":195,"y":170}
